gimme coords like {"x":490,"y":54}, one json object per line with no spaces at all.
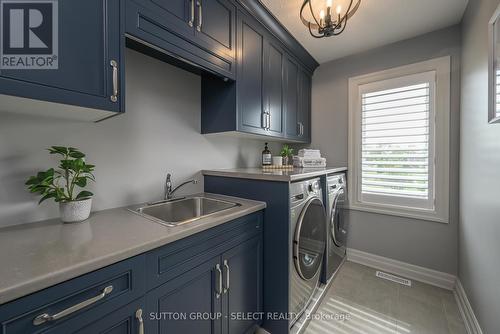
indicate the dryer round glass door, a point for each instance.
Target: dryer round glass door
{"x":309,"y":240}
{"x":336,"y":218}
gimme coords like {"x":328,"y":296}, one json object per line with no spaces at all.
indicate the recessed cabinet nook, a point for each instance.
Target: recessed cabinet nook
{"x":256,"y":78}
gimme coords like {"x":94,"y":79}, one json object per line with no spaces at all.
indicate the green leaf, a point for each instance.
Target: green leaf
{"x":58,"y":150}
{"x":49,"y":195}
{"x":76,"y":154}
{"x":32,"y":180}
{"x":81,"y":181}
{"x":66,"y":164}
{"x":84,"y":194}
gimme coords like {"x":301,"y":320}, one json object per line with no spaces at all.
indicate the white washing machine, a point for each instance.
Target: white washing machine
{"x":307,"y":242}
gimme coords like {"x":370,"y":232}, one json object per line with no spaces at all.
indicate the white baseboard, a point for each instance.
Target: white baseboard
{"x":421,"y":274}
{"x":470,"y":320}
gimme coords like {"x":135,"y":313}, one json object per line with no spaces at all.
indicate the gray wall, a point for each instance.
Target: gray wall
{"x":160,"y":132}
{"x":419,"y":242}
{"x":479,"y":227}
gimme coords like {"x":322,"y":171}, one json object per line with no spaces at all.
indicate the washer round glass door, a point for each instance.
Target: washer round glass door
{"x":309,"y":240}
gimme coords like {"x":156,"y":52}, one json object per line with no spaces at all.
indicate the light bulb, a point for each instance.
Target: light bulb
{"x":322,"y":14}
{"x":339,"y":9}
{"x":329,"y":3}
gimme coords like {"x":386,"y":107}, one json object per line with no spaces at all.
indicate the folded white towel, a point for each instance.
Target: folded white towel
{"x":309,"y":153}
{"x":302,"y":162}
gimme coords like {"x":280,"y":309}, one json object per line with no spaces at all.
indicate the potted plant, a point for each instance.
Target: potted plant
{"x":61,"y":184}
{"x":286,"y":152}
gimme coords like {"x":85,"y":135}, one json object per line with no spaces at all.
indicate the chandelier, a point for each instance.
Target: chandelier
{"x":329,"y":24}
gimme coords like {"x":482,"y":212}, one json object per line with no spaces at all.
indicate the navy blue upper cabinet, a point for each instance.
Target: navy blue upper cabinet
{"x":304,"y":114}
{"x":216,"y":26}
{"x":250,"y":81}
{"x":259,"y":80}
{"x":292,"y":98}
{"x":274,"y":86}
{"x":200,"y":33}
{"x":271,"y":95}
{"x":90,"y":65}
{"x":297,"y":101}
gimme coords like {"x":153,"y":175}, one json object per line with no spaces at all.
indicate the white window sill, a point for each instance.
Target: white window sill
{"x":399,"y":212}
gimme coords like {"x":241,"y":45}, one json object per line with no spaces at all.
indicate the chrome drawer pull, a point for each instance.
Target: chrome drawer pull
{"x":200,"y":16}
{"x":138,"y":316}
{"x":218,"y":290}
{"x":191,"y":19}
{"x":114,"y":97}
{"x":43,"y":318}
{"x":226,"y":289}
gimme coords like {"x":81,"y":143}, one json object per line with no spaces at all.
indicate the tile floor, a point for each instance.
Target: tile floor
{"x":360,"y":303}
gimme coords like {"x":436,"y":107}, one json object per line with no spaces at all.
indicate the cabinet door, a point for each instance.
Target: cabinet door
{"x":88,"y":40}
{"x":175,"y":15}
{"x":304,"y":115}
{"x":250,"y":76}
{"x":215,"y":26}
{"x":189,"y":303}
{"x":292,"y":99}
{"x":273,"y":86}
{"x":242,"y":268}
{"x":127,"y":320}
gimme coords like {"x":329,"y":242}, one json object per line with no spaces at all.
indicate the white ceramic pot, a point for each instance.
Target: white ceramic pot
{"x":278,"y":161}
{"x":75,"y":211}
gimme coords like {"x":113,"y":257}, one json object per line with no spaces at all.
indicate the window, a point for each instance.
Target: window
{"x":398,"y":141}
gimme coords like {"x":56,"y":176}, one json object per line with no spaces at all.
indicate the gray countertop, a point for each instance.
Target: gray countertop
{"x":38,"y":255}
{"x":274,"y":175}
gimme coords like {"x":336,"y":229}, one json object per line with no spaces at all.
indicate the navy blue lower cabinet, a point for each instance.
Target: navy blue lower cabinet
{"x":126,"y":320}
{"x":205,"y":283}
{"x":276,"y":242}
{"x":242,"y":287}
{"x":190,"y":303}
{"x":110,"y":288}
{"x":87,"y":46}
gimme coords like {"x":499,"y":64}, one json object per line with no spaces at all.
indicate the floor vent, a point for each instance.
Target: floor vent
{"x":393,"y":278}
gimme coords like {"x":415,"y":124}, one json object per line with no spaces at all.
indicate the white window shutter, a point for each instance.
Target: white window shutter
{"x":395,"y":148}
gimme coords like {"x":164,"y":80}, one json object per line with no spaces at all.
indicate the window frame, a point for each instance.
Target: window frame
{"x":439,"y":111}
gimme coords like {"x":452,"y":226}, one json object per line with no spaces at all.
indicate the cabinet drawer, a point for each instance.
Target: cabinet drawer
{"x":174,"y":259}
{"x":148,"y":27}
{"x":79,"y":301}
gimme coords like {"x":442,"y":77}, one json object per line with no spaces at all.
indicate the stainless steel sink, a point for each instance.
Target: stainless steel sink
{"x":183,"y":210}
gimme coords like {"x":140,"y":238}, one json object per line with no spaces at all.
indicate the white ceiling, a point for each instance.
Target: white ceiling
{"x":376,"y":23}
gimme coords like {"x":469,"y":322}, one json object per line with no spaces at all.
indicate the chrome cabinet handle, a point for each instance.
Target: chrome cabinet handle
{"x":301,"y":128}
{"x":264,"y":120}
{"x":114,"y":64}
{"x":138,"y":316}
{"x":226,"y":266}
{"x":268,"y":120}
{"x":218,"y":290}
{"x":43,"y":318}
{"x":191,"y":19}
{"x":200,"y":16}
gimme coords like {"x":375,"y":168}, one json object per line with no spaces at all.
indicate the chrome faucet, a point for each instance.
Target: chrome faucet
{"x":169,"y":192}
